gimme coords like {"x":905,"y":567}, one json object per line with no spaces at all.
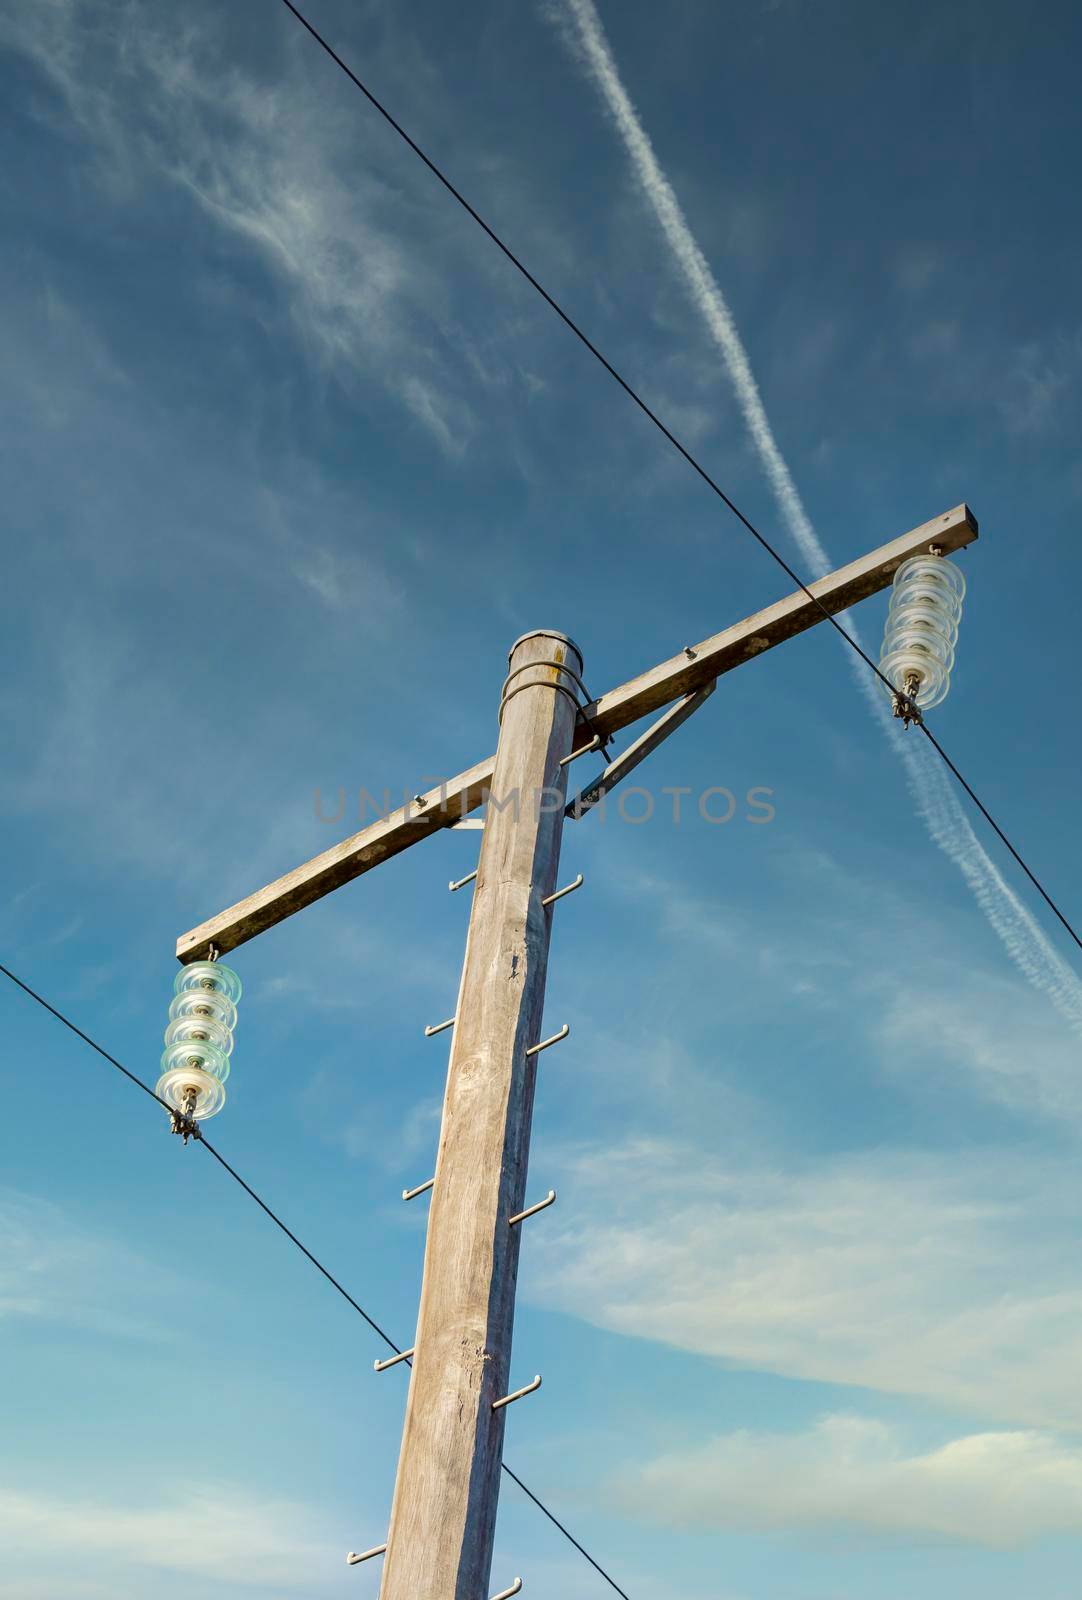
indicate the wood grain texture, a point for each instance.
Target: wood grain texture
{"x":443,"y":1516}
{"x":669,"y":680}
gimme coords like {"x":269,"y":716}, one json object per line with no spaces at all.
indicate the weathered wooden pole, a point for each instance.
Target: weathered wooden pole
{"x":439,"y":1543}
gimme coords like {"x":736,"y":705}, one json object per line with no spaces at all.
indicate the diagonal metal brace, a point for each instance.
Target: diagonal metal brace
{"x":628,"y":760}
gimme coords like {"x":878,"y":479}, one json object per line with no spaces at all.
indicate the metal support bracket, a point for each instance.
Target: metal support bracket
{"x":619,"y":767}
{"x":411,"y":1194}
{"x":535,"y":1049}
{"x":569,"y":888}
{"x":904,"y":701}
{"x":583,"y":750}
{"x":531,"y":1211}
{"x":497,"y":1405}
{"x":438,"y":1027}
{"x":462,"y":882}
{"x":365,"y":1555}
{"x":392,"y":1361}
{"x":907,"y":709}
{"x":186,"y":1127}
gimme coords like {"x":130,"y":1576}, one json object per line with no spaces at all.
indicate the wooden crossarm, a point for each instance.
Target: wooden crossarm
{"x":342,"y":862}
{"x":694,"y":668}
{"x":701,"y":663}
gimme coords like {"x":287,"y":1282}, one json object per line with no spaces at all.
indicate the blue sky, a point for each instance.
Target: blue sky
{"x":290,"y":457}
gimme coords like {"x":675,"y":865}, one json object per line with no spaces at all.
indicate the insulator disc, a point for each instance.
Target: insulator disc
{"x":209,"y":1092}
{"x":934,"y":678}
{"x":923,"y":591}
{"x":209,"y":976}
{"x":204,"y":1003}
{"x":925,"y":642}
{"x":943,"y":573}
{"x":202,"y":1030}
{"x":196,"y":1053}
{"x":924,"y":614}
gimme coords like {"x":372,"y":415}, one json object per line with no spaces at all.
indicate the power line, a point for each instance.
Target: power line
{"x":516,"y":1479}
{"x":633,"y":395}
{"x":331,"y":1279}
{"x":581,"y":336}
{"x":202,"y":1139}
{"x":263,"y":1206}
{"x":992,"y":823}
{"x":85,"y":1037}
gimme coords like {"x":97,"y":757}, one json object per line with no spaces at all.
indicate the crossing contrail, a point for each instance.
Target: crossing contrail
{"x":936,"y":801}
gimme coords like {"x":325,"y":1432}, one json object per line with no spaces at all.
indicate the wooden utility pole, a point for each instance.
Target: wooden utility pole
{"x":439,"y":1544}
{"x":443,"y":1517}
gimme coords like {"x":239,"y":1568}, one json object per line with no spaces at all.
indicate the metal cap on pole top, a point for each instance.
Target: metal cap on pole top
{"x":544,"y":633}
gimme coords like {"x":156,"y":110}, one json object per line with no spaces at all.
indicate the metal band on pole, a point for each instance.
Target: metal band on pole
{"x":520,"y":687}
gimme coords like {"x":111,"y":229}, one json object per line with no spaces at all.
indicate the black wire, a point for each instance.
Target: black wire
{"x":673,"y":440}
{"x":562,"y":1529}
{"x":85,"y":1037}
{"x":391,"y":1344}
{"x":992,"y":823}
{"x":263,"y":1206}
{"x":577,"y":331}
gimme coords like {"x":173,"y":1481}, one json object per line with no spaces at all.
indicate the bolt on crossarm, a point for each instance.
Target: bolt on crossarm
{"x":439,"y":1542}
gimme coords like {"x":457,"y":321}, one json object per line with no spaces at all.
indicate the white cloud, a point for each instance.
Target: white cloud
{"x":274,"y":164}
{"x":434,"y":410}
{"x":213,"y":1531}
{"x":934,"y":794}
{"x":992,"y":1036}
{"x":966,"y":1027}
{"x":954,"y":1277}
{"x":1035,"y":389}
{"x":347,"y":582}
{"x":998,"y":1489}
{"x":55,"y":1270}
{"x":97,"y":715}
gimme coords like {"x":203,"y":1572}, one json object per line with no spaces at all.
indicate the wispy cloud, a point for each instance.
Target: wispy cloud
{"x":848,"y":1472}
{"x":975,"y":1031}
{"x":1036,"y":398}
{"x":935,"y":799}
{"x":53,"y":1269}
{"x":994,"y":1033}
{"x":950,"y":1277}
{"x":346,"y":581}
{"x":93,"y":722}
{"x":208,"y":1532}
{"x":274,"y":169}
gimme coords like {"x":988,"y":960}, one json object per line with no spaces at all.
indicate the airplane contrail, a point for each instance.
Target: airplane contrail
{"x":934,"y":796}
